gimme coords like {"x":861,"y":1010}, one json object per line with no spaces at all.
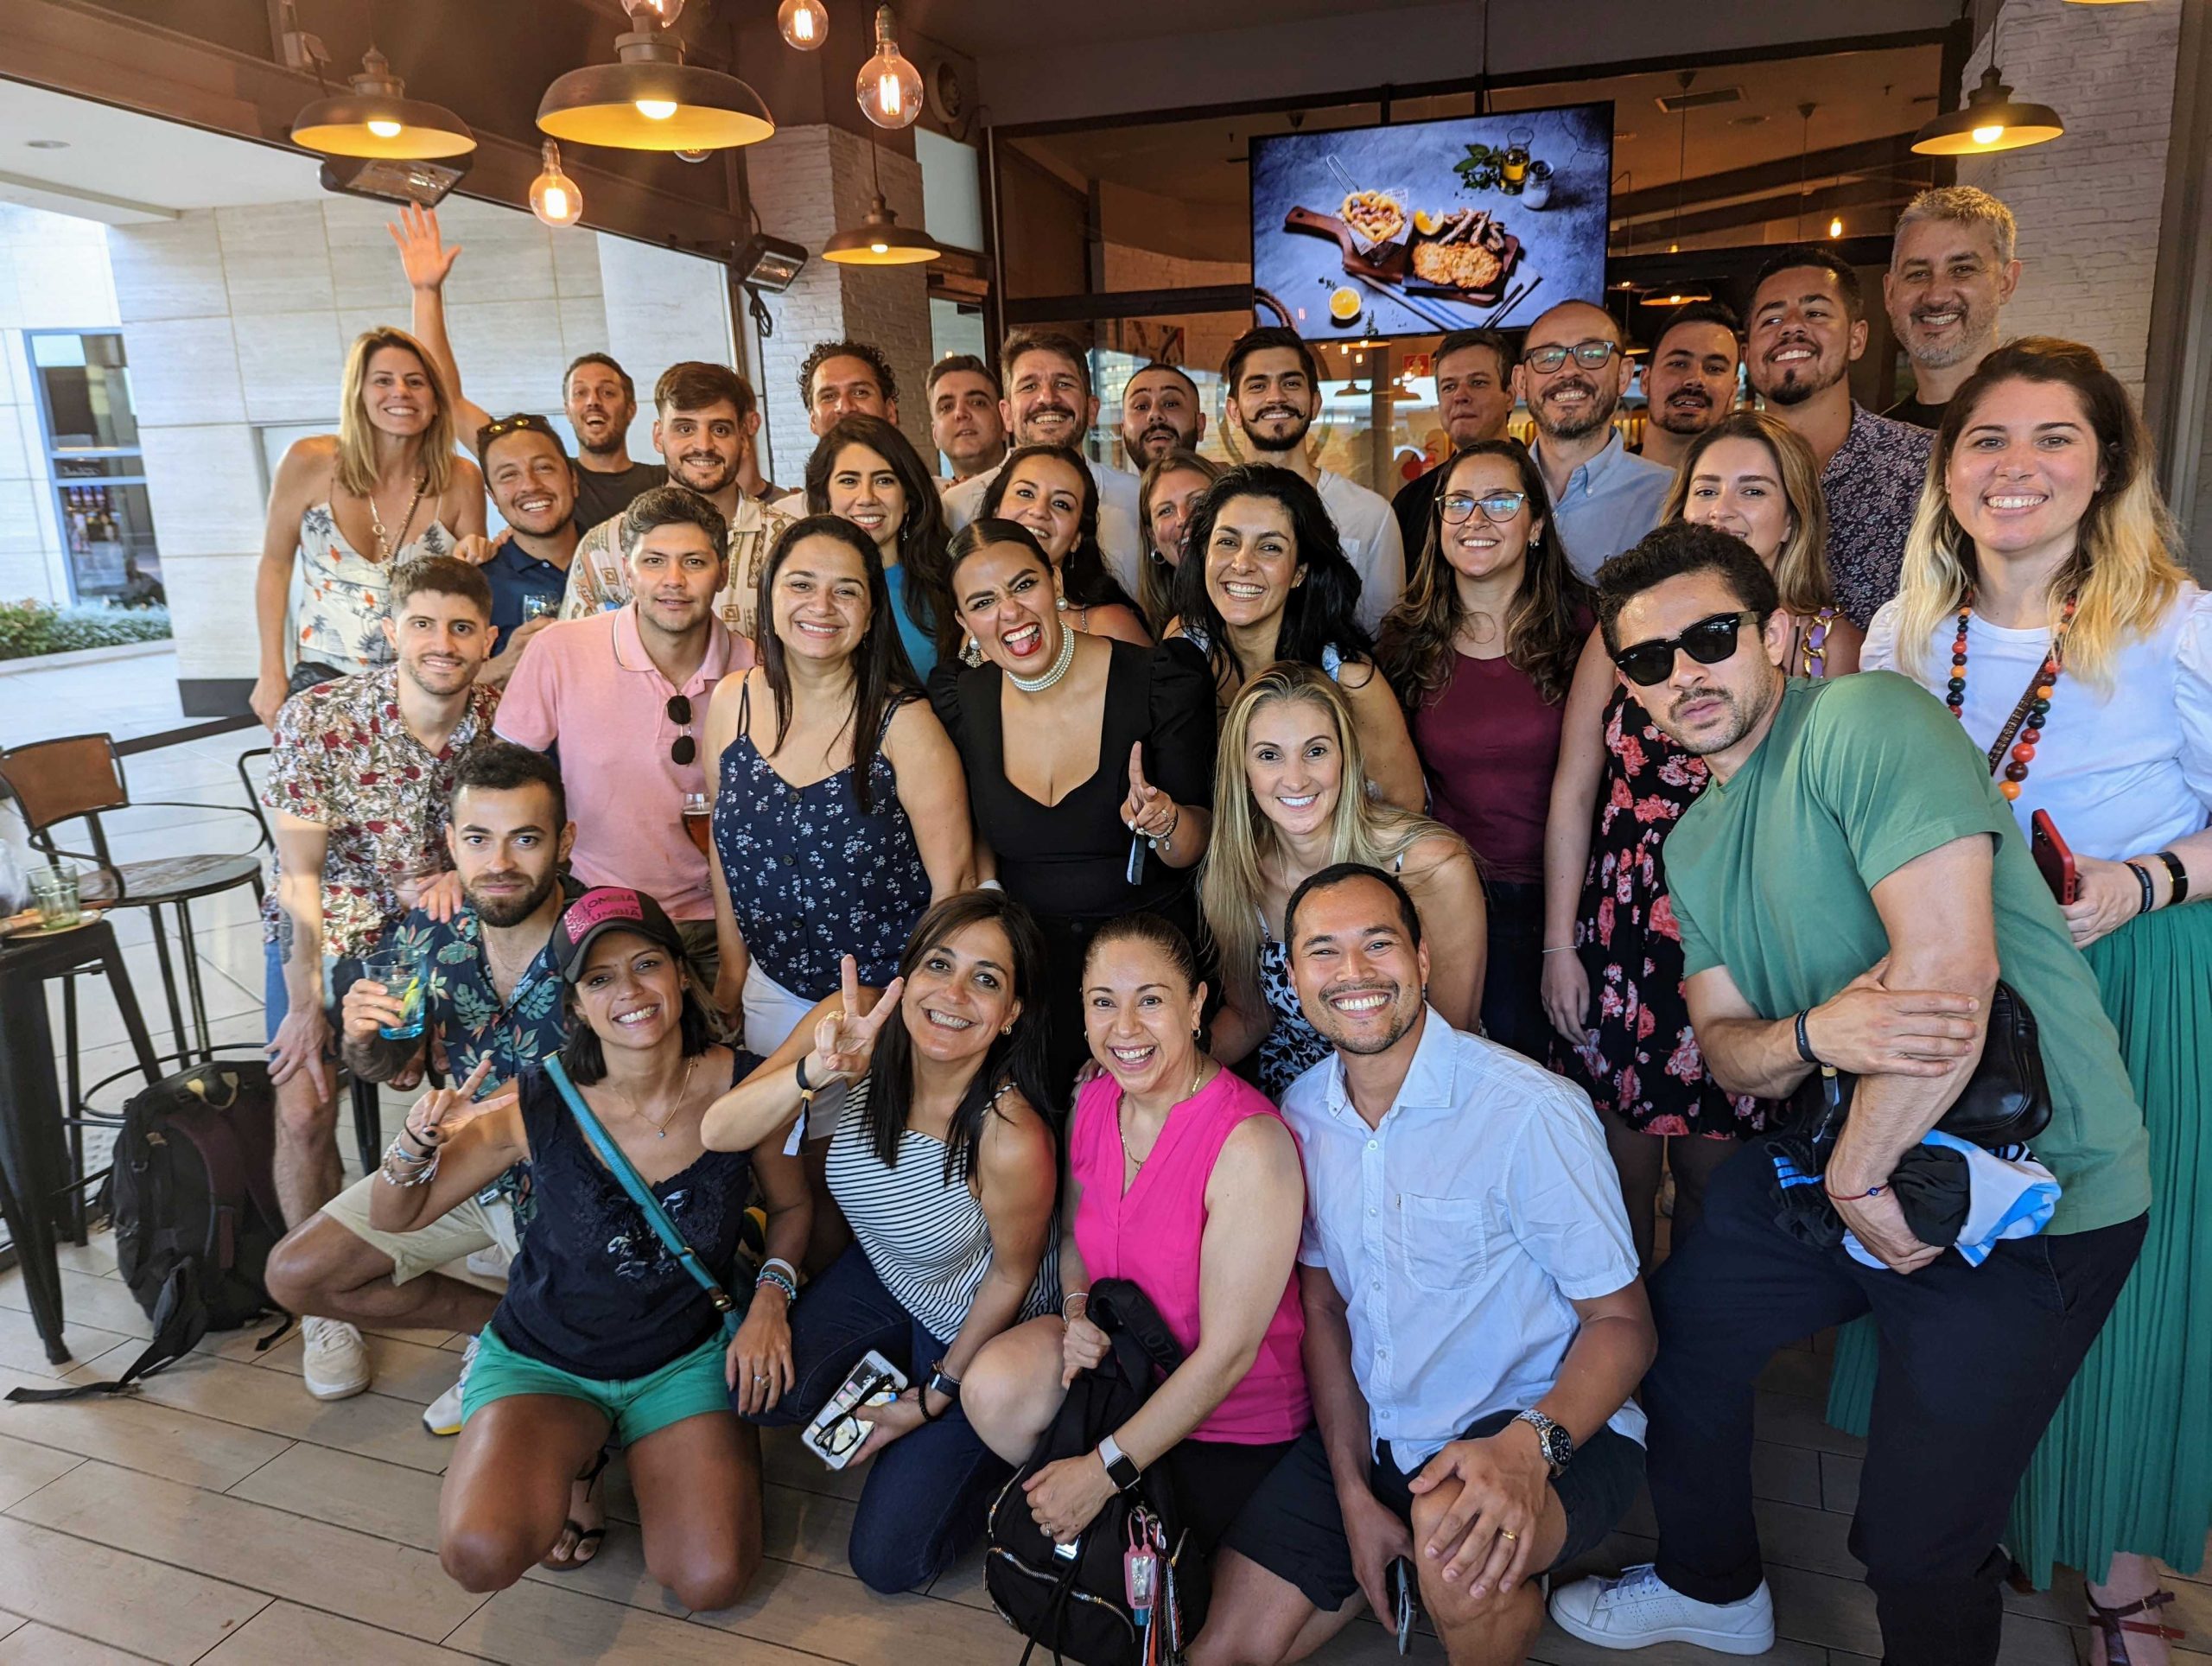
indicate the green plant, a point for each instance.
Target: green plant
{"x":30,"y":627}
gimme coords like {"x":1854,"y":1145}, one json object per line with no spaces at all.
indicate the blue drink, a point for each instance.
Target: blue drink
{"x":404,"y":977}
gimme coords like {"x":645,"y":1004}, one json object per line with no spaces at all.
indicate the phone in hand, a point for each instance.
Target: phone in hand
{"x":1405,"y":1600}
{"x":835,"y":1434}
{"x":2054,"y":857}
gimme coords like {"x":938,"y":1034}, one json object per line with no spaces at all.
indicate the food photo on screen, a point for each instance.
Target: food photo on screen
{"x":1469,"y":222}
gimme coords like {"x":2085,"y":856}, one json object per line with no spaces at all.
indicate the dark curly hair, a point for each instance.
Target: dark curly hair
{"x":822,"y":351}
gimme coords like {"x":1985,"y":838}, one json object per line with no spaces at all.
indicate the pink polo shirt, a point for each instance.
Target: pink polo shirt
{"x":588,"y":684}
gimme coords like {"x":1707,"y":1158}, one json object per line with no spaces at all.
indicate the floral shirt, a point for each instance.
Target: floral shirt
{"x":598,"y":582}
{"x":345,"y":759}
{"x":347,"y":595}
{"x":1872,"y":486}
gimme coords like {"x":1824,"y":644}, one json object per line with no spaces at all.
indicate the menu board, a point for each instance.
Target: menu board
{"x":1469,"y":222}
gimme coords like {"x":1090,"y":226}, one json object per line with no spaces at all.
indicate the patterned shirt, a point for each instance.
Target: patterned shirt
{"x":345,"y":759}
{"x":1872,"y":486}
{"x":597,"y":582}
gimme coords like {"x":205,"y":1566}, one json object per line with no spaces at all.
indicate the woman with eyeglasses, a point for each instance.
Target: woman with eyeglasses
{"x":1167,"y":492}
{"x":1621,"y":786}
{"x":1265,"y":579}
{"x":864,"y":471}
{"x":1482,"y":648}
{"x":1051,"y":490}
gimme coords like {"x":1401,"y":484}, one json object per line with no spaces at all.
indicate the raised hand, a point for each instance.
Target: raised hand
{"x":425,"y":259}
{"x":1147,"y":810}
{"x":441,"y":1112}
{"x":844,"y":1040}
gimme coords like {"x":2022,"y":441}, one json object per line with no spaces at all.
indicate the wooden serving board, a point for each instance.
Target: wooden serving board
{"x":1489,"y":294}
{"x":1387,"y":264}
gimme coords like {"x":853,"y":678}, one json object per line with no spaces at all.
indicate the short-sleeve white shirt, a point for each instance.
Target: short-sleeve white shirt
{"x":1372,"y":543}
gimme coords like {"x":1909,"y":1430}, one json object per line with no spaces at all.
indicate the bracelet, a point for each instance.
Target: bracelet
{"x":1804,"y":1046}
{"x":1083,"y":1296}
{"x":769,"y":1275}
{"x":2178,"y":872}
{"x":922,"y":1404}
{"x":790,"y":1271}
{"x":2142,"y":878}
{"x":1563,"y":949}
{"x":805,"y":1086}
{"x":410,"y":1169}
{"x":1855,"y":1197}
{"x":1165,"y":842}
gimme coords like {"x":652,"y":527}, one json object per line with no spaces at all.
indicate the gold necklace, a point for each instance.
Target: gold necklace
{"x":1122,"y":1121}
{"x":682,"y":1091}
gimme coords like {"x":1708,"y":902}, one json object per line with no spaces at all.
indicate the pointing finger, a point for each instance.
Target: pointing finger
{"x":1137,"y":783}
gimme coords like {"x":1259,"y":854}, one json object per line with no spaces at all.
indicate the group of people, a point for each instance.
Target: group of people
{"x":856,"y":920}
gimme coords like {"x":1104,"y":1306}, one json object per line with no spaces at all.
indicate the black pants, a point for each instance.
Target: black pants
{"x":1513,"y":994}
{"x":1973,"y":1361}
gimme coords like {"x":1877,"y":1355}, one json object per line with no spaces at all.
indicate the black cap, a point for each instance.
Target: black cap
{"x":609,"y":908}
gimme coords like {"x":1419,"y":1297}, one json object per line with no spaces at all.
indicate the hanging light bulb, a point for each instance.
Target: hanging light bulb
{"x":889,"y":88}
{"x":376,"y":119}
{"x":554,"y":197}
{"x":803,"y":24}
{"x":693,"y":155}
{"x":1835,"y":227}
{"x":653,"y":14}
{"x":1990,"y":120}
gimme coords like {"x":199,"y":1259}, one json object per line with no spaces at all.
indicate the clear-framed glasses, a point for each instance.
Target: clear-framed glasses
{"x":1499,"y":506}
{"x":1591,"y":355}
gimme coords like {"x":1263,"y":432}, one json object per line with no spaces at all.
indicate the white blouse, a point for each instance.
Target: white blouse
{"x":2120,"y":774}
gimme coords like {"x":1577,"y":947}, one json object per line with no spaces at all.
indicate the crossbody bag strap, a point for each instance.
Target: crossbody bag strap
{"x":2003,"y":741}
{"x":627,"y":1175}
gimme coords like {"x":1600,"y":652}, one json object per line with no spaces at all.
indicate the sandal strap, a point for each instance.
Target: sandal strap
{"x":2116,"y":1624}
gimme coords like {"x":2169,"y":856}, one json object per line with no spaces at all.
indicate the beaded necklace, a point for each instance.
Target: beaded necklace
{"x":2033,"y":711}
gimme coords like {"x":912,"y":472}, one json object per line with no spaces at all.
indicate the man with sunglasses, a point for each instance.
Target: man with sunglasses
{"x":1572,"y":375}
{"x":526,"y":470}
{"x":1847,"y":889}
{"x":622,"y":694}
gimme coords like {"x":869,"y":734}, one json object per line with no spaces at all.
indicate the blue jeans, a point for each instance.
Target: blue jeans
{"x":928,"y":1491}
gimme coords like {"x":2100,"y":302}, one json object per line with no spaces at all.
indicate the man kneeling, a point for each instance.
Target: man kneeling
{"x":1474,"y":1324}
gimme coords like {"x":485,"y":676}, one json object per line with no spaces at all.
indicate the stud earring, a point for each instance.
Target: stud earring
{"x":1006,"y":1030}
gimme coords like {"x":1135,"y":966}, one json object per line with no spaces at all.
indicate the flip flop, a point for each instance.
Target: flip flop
{"x":585,"y":1549}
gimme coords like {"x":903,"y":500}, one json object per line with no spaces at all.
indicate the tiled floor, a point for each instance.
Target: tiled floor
{"x":222,"y":1515}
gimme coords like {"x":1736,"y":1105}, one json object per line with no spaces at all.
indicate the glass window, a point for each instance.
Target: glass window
{"x":87,"y":391}
{"x":93,"y":462}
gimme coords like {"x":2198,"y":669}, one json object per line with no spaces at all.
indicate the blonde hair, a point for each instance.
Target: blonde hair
{"x":1156,"y":585}
{"x":1801,"y":565}
{"x":1962,"y":205}
{"x":2122,"y":565}
{"x":1232,"y":883}
{"x":357,"y":465}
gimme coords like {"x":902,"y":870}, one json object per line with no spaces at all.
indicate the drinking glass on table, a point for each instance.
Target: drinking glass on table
{"x":53,"y":890}
{"x":698,"y":821}
{"x":403,"y":973}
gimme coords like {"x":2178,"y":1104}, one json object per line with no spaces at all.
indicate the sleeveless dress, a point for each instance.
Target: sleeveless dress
{"x":1638,"y":1060}
{"x":340,"y":621}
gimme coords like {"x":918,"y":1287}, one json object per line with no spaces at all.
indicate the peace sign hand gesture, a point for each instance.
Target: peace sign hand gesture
{"x":442,"y":1112}
{"x":1148,"y":811}
{"x":844,"y":1039}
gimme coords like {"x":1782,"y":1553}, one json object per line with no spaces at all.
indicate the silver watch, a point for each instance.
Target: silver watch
{"x":1555,"y":1442}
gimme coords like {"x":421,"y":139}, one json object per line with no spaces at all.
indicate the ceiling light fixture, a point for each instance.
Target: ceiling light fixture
{"x":889,"y":88}
{"x":376,"y":119}
{"x":1835,"y":227}
{"x":1675,"y":294}
{"x":1990,"y":121}
{"x":880,"y":239}
{"x":805,"y":24}
{"x":554,"y":197}
{"x":651,"y":99}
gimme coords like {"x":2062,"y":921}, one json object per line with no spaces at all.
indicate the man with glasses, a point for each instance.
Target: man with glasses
{"x":623,"y":696}
{"x":1474,"y":399}
{"x":526,"y":470}
{"x":1847,"y":890}
{"x":1572,"y":375}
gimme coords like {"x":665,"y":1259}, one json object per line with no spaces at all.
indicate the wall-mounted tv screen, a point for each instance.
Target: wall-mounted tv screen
{"x":1412,"y":230}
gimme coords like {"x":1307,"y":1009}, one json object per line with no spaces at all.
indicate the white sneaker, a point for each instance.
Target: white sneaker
{"x":442,"y":1414}
{"x":336,"y":1360}
{"x":1640,"y":1608}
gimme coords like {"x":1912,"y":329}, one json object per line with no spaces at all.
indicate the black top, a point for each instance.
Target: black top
{"x":601,"y":496}
{"x":594,"y":1291}
{"x":1071,"y":860}
{"x":1920,"y":415}
{"x":1412,"y":505}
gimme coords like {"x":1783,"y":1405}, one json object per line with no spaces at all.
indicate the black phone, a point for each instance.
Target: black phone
{"x":1405,"y":1600}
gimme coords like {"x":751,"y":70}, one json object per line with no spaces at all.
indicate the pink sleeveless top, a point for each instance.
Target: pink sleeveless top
{"x":1151,"y":1236}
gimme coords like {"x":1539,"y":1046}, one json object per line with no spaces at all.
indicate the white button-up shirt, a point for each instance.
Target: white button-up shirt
{"x":1459,"y":1230}
{"x":1372,"y":543}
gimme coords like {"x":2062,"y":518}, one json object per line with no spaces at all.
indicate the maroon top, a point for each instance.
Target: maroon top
{"x":1490,"y":745}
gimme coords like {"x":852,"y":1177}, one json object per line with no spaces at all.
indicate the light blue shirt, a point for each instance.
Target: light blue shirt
{"x":921,"y":648}
{"x":1460,"y":1231}
{"x":1609,"y":503}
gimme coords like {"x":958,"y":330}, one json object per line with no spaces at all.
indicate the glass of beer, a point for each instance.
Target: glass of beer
{"x":699,"y":821}
{"x":1513,"y":172}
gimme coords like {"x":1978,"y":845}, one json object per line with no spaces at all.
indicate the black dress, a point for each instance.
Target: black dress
{"x":1068,"y":862}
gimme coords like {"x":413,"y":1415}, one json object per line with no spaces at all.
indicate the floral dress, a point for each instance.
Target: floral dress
{"x":1639,"y":1060}
{"x":348,"y":596}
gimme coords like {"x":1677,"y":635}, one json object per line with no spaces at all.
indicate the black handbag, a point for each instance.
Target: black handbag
{"x":2005,"y":1102}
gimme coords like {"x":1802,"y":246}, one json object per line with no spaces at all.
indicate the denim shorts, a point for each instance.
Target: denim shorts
{"x":635,"y":1407}
{"x":339,"y":974}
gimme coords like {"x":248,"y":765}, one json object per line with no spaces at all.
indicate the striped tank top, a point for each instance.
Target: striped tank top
{"x":927,"y":1240}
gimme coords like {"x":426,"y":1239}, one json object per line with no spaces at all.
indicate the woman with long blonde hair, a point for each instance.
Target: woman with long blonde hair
{"x":349,"y":508}
{"x":2044,"y":603}
{"x":1288,"y":745}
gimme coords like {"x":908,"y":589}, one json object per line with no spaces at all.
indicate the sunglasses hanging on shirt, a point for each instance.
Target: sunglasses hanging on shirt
{"x":684,"y":749}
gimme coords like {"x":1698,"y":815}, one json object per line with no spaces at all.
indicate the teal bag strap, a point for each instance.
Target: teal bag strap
{"x":634,"y":1183}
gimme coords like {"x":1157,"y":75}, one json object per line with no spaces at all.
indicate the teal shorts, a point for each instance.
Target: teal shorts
{"x":636,"y":1406}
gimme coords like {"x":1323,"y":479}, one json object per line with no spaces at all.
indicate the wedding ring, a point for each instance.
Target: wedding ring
{"x":1509,"y":1536}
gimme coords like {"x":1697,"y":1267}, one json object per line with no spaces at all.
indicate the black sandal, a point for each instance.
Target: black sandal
{"x":585,"y":1549}
{"x":2115,"y":1624}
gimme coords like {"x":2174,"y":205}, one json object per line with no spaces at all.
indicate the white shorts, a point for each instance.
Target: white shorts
{"x":772,"y":1013}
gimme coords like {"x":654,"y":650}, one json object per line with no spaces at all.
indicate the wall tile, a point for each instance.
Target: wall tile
{"x":363,"y":266}
{"x":211,"y":609}
{"x":575,"y":262}
{"x":204,"y":487}
{"x":275,"y":257}
{"x":19,"y":522}
{"x":505,"y":254}
{"x":18,"y":434}
{"x":171,"y":269}
{"x":184,"y":370}
{"x":509,"y":353}
{"x":63,"y":283}
{"x":290,"y":365}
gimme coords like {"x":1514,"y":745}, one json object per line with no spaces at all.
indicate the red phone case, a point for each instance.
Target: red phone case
{"x":2053,"y":857}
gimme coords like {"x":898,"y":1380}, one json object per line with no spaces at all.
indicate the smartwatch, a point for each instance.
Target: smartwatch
{"x":1121,"y":1469}
{"x":1555,"y":1442}
{"x":940,"y":1383}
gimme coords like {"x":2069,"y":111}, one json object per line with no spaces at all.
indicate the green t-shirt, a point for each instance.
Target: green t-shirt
{"x":1772,"y":876}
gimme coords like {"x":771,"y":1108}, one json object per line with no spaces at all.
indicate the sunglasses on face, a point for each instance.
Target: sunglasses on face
{"x":684,"y":749}
{"x":1500,"y":506}
{"x":1591,"y":355}
{"x":1708,"y":642}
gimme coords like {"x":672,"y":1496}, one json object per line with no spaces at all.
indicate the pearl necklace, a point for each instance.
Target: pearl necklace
{"x":1059,"y":667}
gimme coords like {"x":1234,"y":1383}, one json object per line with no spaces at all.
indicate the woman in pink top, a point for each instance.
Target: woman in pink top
{"x":1182,"y":1179}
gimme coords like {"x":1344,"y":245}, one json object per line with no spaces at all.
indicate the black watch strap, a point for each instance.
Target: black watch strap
{"x":1805,"y":1046}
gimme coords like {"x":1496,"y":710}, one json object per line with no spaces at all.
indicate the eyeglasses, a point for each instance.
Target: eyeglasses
{"x":1708,"y":642}
{"x":514,"y":424}
{"x":684,"y":749}
{"x":1591,"y":355}
{"x":1500,"y":506}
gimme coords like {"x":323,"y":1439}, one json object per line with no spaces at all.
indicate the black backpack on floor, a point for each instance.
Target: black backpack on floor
{"x":193,"y":1200}
{"x":1075,"y":1605}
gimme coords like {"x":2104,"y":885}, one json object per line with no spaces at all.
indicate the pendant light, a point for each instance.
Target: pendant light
{"x":554,"y":197}
{"x":1991,"y":121}
{"x":1678,"y":295}
{"x":651,"y":99}
{"x":805,"y":24}
{"x":879,"y":239}
{"x":377,"y":119}
{"x":889,"y":88}
{"x":1675,"y":294}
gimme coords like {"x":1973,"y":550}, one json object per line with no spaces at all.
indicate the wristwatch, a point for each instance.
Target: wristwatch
{"x":1121,"y":1469}
{"x":1555,"y":1442}
{"x":942,"y":1384}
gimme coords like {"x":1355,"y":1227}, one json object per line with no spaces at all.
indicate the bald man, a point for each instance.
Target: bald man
{"x":1572,"y":375}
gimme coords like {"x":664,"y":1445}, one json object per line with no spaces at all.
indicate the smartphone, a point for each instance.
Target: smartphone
{"x":1405,"y":1601}
{"x":835,"y":1434}
{"x":2053,"y":857}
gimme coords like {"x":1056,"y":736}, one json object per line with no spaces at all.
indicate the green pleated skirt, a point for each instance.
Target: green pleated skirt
{"x":2126,"y":1463}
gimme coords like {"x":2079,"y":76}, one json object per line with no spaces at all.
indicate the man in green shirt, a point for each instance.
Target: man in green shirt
{"x":1849,"y":888}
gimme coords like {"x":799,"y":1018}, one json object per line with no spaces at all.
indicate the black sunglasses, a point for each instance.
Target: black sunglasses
{"x":1709,"y":641}
{"x":521,"y":420}
{"x":684,"y":748}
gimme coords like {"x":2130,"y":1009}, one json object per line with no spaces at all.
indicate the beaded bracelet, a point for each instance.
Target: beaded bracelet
{"x":413,"y":1170}
{"x":782,"y":1280}
{"x":2142,"y":878}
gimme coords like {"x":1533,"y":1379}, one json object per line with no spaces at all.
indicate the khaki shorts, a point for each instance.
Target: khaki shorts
{"x":466,"y":1230}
